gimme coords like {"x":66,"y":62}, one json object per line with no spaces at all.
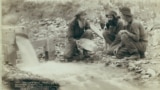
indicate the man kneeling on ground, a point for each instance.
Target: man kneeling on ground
{"x":113,"y":26}
{"x":78,"y":28}
{"x":133,"y":38}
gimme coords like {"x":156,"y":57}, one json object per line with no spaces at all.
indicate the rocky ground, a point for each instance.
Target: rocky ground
{"x":100,"y":73}
{"x":139,"y":74}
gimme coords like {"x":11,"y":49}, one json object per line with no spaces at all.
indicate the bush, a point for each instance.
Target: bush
{"x":66,"y":10}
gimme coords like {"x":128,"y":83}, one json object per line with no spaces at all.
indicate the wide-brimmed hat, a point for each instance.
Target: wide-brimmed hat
{"x":80,"y":13}
{"x":125,"y":11}
{"x":111,"y":13}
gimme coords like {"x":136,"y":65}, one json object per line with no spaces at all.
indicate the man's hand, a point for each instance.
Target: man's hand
{"x":122,"y":31}
{"x":72,"y":39}
{"x":115,"y":50}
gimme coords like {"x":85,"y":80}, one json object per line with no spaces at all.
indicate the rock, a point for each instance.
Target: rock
{"x":142,"y":62}
{"x":137,"y":77}
{"x":108,"y":63}
{"x":139,"y":70}
{"x":151,"y":72}
{"x":159,"y":75}
{"x":119,"y":65}
{"x":131,"y":66}
{"x":114,"y":57}
{"x":155,"y":37}
{"x":143,"y":72}
{"x":145,"y":77}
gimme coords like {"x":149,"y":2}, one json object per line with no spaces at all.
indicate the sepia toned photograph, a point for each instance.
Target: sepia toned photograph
{"x":80,"y":45}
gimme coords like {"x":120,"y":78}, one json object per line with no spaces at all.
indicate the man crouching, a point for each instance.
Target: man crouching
{"x":78,"y":28}
{"x":113,"y":26}
{"x":133,"y":38}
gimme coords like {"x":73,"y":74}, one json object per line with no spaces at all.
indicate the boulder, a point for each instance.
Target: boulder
{"x":150,"y":72}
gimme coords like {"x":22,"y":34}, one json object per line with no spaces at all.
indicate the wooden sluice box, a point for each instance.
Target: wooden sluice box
{"x":16,"y":79}
{"x":9,"y":47}
{"x":45,"y":45}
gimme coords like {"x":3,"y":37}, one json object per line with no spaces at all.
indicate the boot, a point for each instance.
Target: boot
{"x":142,"y":55}
{"x":134,"y":56}
{"x":85,"y":53}
{"x":46,"y":55}
{"x":77,"y":52}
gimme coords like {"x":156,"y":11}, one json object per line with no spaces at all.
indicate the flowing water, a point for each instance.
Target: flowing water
{"x":71,"y":76}
{"x":27,"y":51}
{"x":82,"y":76}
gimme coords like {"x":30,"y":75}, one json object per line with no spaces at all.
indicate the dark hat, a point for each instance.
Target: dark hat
{"x":125,"y":11}
{"x":111,"y":13}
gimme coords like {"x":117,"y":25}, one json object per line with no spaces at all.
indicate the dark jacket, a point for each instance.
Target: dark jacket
{"x":75,"y":31}
{"x":114,"y":29}
{"x":114,"y":26}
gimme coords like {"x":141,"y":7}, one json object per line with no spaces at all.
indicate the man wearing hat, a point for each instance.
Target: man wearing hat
{"x":113,"y":26}
{"x":78,"y":28}
{"x":133,"y":37}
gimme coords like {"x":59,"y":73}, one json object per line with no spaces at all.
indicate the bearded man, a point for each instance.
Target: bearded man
{"x":78,"y":28}
{"x":113,"y":26}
